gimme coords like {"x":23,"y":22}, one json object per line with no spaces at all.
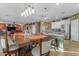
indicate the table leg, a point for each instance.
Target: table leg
{"x":19,"y":52}
{"x":40,"y":48}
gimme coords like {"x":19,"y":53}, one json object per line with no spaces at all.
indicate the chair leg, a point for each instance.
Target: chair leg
{"x":16,"y":53}
{"x":6,"y":54}
{"x":48,"y":53}
{"x":25,"y":53}
{"x":19,"y":52}
{"x":9,"y":54}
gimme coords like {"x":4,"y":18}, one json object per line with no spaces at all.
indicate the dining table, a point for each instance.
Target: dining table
{"x":32,"y":38}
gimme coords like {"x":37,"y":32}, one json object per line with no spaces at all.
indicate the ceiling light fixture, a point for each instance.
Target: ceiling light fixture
{"x":56,"y":17}
{"x":57,"y":4}
{"x":28,"y":11}
{"x":45,"y":16}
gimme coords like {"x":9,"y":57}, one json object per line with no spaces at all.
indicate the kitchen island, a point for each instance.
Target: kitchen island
{"x":60,"y":39}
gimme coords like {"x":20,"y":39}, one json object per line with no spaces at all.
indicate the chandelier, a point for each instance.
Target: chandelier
{"x":45,"y":14}
{"x":28,"y":11}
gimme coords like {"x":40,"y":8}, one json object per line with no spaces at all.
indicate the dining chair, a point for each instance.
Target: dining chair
{"x":8,"y":46}
{"x":54,"y":44}
{"x":45,"y":49}
{"x":24,"y":48}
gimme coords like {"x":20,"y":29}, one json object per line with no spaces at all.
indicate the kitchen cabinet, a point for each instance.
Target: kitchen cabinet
{"x":33,"y":29}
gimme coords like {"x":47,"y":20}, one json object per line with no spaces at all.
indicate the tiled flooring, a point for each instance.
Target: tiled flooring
{"x":71,"y":48}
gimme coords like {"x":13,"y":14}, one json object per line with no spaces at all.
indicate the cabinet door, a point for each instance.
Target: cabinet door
{"x":74,"y":30}
{"x":33,"y":29}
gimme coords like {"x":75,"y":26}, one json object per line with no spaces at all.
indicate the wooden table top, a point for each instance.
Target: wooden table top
{"x":29,"y":39}
{"x":37,"y":37}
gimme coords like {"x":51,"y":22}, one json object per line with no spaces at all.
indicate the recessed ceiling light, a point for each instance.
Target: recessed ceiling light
{"x":57,"y":4}
{"x":77,"y":5}
{"x":45,"y":18}
{"x":56,"y":17}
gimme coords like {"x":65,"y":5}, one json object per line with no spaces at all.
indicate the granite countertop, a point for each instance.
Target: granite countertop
{"x":54,"y":34}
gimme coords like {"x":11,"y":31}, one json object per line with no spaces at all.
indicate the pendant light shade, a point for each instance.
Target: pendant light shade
{"x":28,"y":11}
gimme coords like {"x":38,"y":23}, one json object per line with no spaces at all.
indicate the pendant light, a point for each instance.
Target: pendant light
{"x":28,"y":11}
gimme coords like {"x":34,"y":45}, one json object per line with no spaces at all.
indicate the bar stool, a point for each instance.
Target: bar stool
{"x":45,"y":49}
{"x":54,"y":44}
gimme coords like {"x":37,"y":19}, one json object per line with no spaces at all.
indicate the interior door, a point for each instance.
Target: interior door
{"x":74,"y":30}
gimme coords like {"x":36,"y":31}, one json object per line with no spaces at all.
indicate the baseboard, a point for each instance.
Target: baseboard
{"x":75,"y":41}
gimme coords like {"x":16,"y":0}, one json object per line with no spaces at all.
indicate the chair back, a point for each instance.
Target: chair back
{"x":3,"y":42}
{"x":19,"y":37}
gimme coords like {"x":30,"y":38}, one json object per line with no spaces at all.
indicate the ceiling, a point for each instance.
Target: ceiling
{"x":11,"y":12}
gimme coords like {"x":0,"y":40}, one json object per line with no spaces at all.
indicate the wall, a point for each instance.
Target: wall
{"x":76,"y":16}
